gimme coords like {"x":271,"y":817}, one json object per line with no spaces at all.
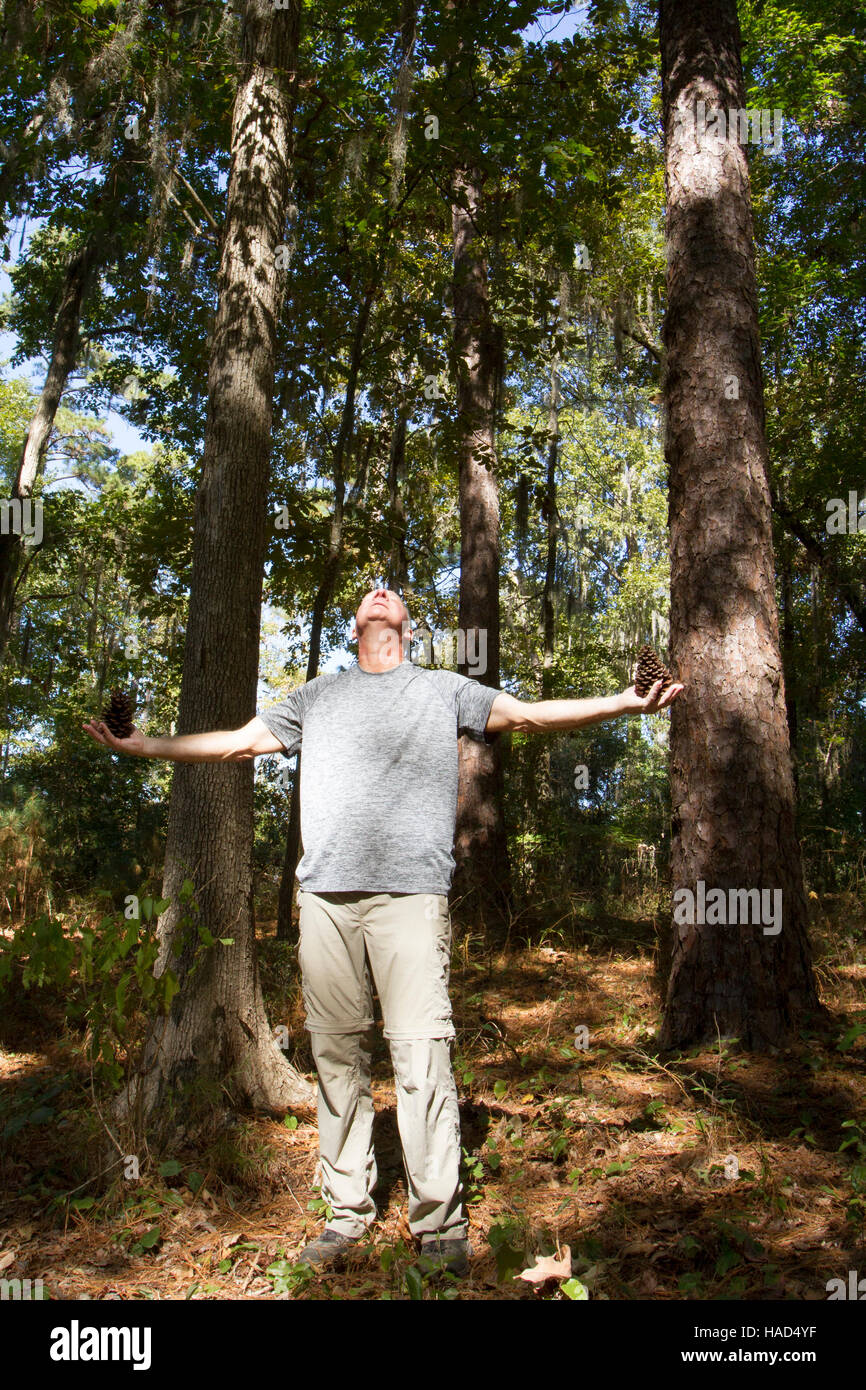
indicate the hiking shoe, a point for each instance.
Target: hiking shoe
{"x":444,"y":1256}
{"x":325,"y":1249}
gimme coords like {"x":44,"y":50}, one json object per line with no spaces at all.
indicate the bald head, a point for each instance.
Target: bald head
{"x":382,"y":617}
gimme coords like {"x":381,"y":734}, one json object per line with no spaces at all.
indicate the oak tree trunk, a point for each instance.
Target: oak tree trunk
{"x":732,"y":787}
{"x":216,"y":1032}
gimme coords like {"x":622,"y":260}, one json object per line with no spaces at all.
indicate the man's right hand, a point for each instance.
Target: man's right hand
{"x":134,"y":745}
{"x":215,"y":746}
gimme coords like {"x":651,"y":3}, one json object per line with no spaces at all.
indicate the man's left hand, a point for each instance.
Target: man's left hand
{"x":652,"y":702}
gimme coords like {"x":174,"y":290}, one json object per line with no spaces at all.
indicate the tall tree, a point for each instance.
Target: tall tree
{"x":217,"y":1027}
{"x":482,"y":876}
{"x":732,"y":785}
{"x":481,"y":848}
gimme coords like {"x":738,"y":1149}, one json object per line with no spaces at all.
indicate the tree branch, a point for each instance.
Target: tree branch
{"x":846,"y":588}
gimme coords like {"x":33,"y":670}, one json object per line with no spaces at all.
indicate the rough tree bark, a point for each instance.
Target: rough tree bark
{"x":551,"y":522}
{"x":482,"y":877}
{"x":732,"y":787}
{"x":217,"y":1031}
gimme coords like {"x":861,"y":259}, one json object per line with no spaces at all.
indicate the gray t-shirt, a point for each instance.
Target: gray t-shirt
{"x":379,"y":774}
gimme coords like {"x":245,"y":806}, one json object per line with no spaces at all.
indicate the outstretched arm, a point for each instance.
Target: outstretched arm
{"x":218,"y":746}
{"x":547,"y":716}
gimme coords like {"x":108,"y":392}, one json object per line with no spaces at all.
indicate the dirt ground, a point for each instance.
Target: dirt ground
{"x":715,"y":1174}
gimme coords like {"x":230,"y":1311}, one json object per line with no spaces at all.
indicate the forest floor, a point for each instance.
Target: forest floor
{"x":712,"y":1174}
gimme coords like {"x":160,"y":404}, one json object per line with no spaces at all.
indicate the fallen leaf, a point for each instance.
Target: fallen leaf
{"x":549,"y":1267}
{"x":7,"y":1259}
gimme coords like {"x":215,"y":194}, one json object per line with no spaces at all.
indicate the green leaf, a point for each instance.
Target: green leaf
{"x":170,"y":1168}
{"x":414,"y":1283}
{"x":507,"y":1245}
{"x":573,"y":1289}
{"x":500,"y":1089}
{"x":727,"y":1260}
{"x":171,"y":987}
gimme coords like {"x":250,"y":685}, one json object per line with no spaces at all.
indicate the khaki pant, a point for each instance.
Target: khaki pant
{"x":404,"y":940}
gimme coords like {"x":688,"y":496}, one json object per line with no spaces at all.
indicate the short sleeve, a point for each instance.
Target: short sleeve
{"x":474,"y":702}
{"x":286,"y":719}
{"x":470,"y":700}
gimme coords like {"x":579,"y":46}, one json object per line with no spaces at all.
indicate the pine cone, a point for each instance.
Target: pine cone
{"x":118,"y":714}
{"x":650,"y":669}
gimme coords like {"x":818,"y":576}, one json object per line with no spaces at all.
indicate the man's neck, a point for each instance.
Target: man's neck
{"x":379,"y":657}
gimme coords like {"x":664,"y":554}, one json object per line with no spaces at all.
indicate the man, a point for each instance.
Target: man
{"x":378,"y":809}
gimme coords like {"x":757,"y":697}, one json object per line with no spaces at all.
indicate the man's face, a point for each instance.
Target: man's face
{"x":381,"y":612}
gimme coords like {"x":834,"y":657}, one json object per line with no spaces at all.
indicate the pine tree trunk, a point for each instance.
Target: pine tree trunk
{"x":732,"y":786}
{"x":549,"y":593}
{"x":217,"y":1031}
{"x":482,"y":875}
